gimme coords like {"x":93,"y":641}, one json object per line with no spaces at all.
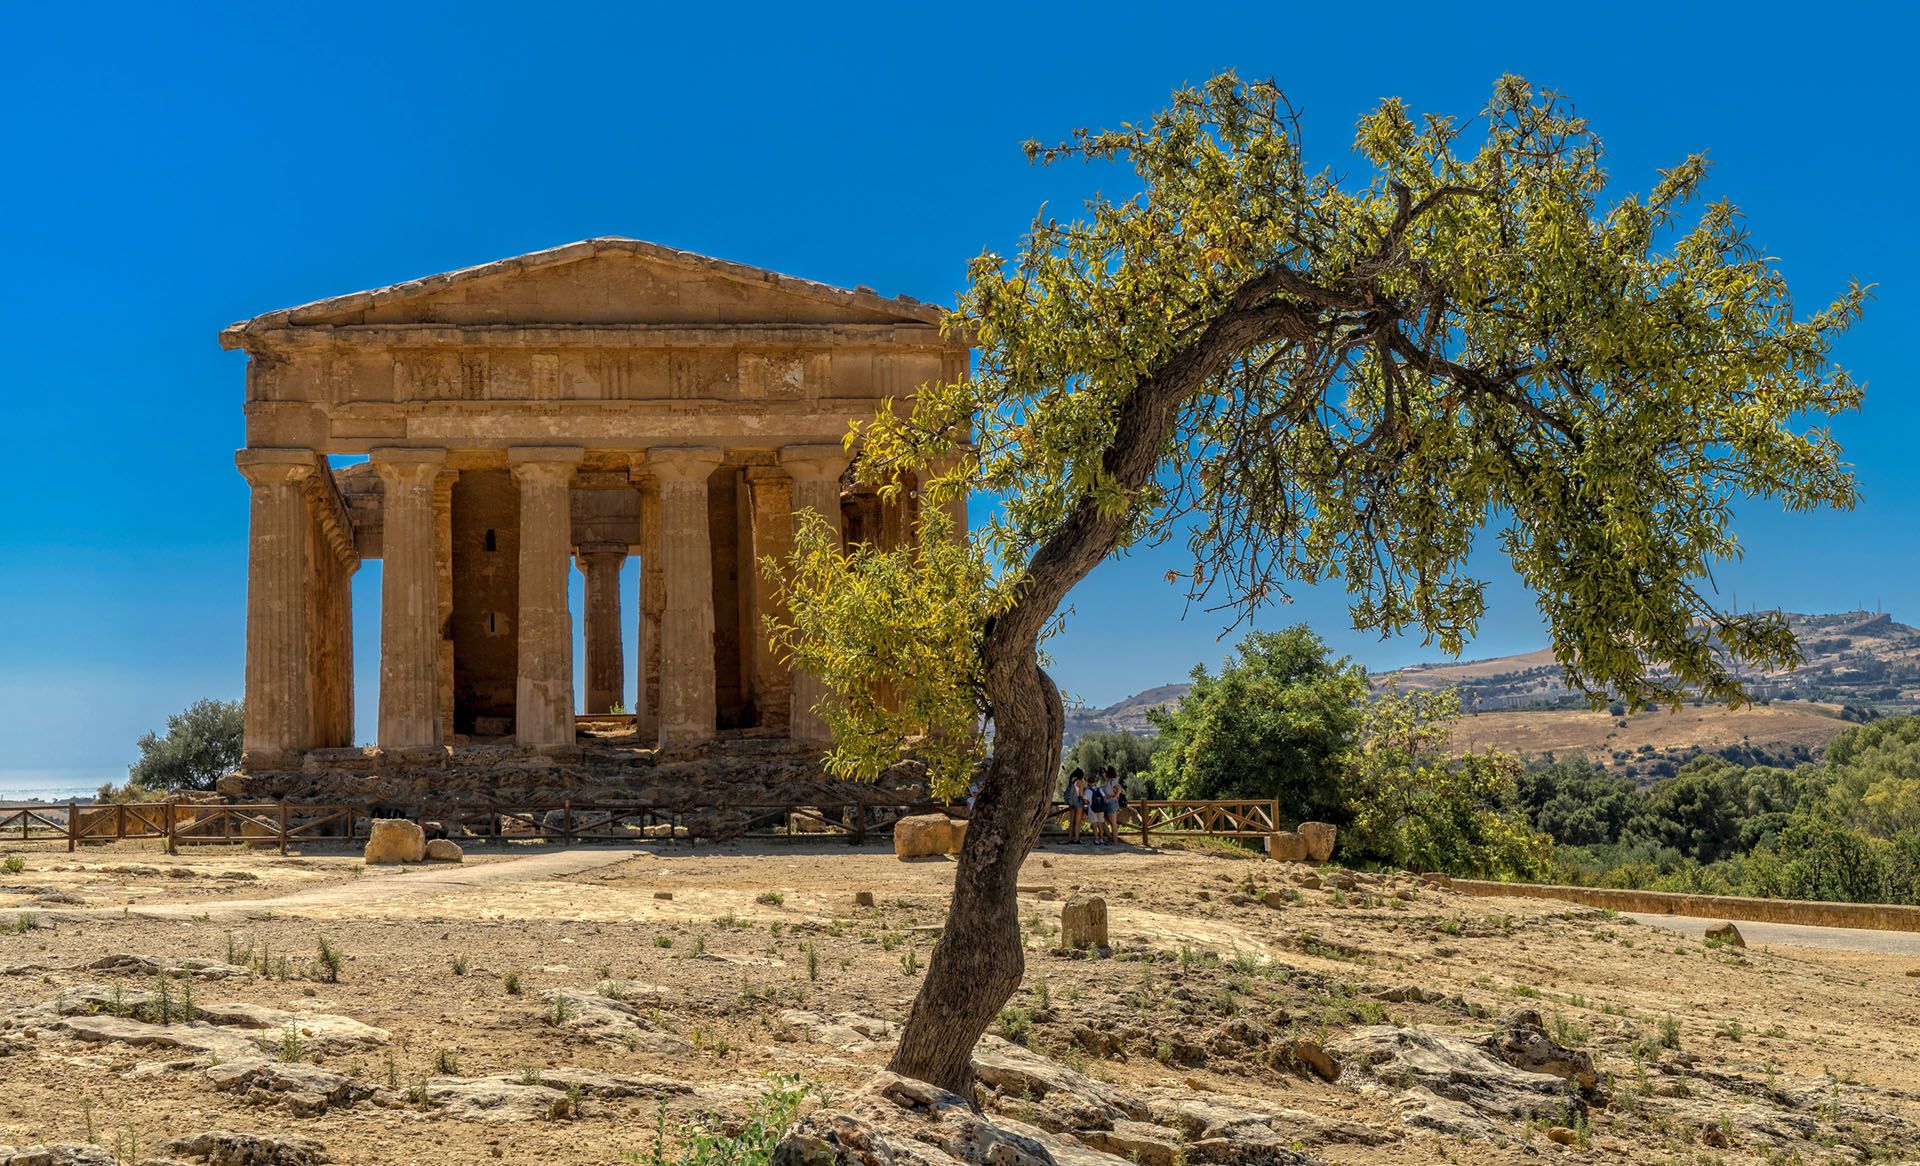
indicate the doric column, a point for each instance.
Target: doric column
{"x":543,"y":693}
{"x":771,"y":498}
{"x":606,"y":668}
{"x":687,"y":706}
{"x":409,"y":598}
{"x":816,"y":471}
{"x":277,"y":716}
{"x":653,"y":600}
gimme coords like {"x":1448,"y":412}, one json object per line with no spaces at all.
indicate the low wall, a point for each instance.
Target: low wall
{"x":1871,"y":916}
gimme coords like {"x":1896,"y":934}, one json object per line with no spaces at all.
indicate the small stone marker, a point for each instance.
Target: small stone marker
{"x":1320,"y":838}
{"x":1083,"y":922}
{"x":663,"y":895}
{"x":445,"y":850}
{"x":863,"y":898}
{"x":1726,"y":933}
{"x":395,"y":840}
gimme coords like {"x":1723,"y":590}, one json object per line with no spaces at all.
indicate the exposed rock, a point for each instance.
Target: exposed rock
{"x":444,"y":850}
{"x":1341,"y":881}
{"x":395,"y":840}
{"x":221,"y":1148}
{"x":923,"y":836}
{"x":1228,"y":1129}
{"x":321,"y":1031}
{"x":1726,"y":933}
{"x":1286,"y":846}
{"x":1314,"y":1057}
{"x":1307,"y":879}
{"x":1137,"y":1141}
{"x":1275,"y":899}
{"x":1447,"y":1083}
{"x":895,"y":1121}
{"x":1524,"y":1044}
{"x":491,"y":1099}
{"x":614,"y":1021}
{"x":1072,"y":1101}
{"x":56,"y":1154}
{"x":1320,"y":837}
{"x":126,"y":963}
{"x":199,"y":1037}
{"x":1562,"y":1136}
{"x":849,"y":1032}
{"x":304,"y":1089}
{"x":1083,"y":922}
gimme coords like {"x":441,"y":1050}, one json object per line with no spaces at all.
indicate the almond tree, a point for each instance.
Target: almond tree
{"x":1307,"y":376}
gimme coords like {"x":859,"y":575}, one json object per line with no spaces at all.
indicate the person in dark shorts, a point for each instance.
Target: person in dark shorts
{"x":1097,"y":812}
{"x":1076,"y":804}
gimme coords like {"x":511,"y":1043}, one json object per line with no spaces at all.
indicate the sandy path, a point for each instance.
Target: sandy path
{"x":410,"y":888}
{"x":1841,"y":938}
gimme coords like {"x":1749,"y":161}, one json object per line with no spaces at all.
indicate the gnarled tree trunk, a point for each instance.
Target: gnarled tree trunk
{"x":979,"y":960}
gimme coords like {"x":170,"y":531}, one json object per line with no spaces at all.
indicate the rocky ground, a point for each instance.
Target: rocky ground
{"x":588,"y":1006}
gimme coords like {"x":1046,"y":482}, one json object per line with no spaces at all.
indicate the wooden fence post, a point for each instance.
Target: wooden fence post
{"x":283,"y":827}
{"x":73,"y":826}
{"x":1145,"y":837}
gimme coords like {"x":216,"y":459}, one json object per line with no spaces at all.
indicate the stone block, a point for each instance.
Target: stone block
{"x":1320,"y":838}
{"x":444,"y":850}
{"x":1286,"y":846}
{"x":1083,"y":922}
{"x":1726,"y":933}
{"x":957,"y":828}
{"x":396,"y":840}
{"x":923,"y":836}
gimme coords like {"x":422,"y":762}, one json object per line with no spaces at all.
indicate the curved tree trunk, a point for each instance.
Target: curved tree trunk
{"x":979,"y":960}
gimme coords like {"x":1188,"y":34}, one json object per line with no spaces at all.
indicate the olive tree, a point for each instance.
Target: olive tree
{"x":1305,"y":376}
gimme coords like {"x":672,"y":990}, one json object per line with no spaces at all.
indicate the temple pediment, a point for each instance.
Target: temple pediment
{"x":606,"y":282}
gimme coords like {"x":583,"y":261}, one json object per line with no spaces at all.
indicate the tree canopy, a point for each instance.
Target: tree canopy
{"x":1304,"y":374}
{"x":201,"y":744}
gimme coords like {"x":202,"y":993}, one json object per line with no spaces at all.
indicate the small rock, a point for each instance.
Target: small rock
{"x":863,"y":898}
{"x":444,"y":850}
{"x":1310,"y":1054}
{"x":1341,"y":881}
{"x":1307,"y":880}
{"x":1726,"y":933}
{"x":56,"y":1154}
{"x":1083,"y":922}
{"x":667,"y":895}
{"x":1562,"y":1136}
{"x":1274,"y":899}
{"x":395,"y":840}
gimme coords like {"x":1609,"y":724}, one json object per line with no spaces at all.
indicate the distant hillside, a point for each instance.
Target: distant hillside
{"x":1856,"y":661}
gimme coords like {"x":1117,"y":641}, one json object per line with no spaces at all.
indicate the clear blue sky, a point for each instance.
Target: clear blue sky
{"x":166,"y":174}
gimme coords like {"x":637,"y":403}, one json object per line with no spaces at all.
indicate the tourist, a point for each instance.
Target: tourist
{"x":1116,"y":802}
{"x":1076,"y":803}
{"x":1097,"y":810}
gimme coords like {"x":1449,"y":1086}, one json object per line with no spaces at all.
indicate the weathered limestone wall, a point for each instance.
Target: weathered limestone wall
{"x":1874,"y":916}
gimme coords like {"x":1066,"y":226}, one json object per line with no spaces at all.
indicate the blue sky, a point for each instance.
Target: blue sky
{"x":166,"y":174}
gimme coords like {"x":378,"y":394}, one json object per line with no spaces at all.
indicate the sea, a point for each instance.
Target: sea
{"x":55,"y":783}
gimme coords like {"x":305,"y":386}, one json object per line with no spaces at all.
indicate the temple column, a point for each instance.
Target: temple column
{"x":816,"y":471}
{"x":543,"y":694}
{"x":606,"y":668}
{"x":409,"y":599}
{"x":653,"y":599}
{"x":687,"y":705}
{"x":443,"y":578}
{"x":771,"y":498}
{"x":277,"y":714}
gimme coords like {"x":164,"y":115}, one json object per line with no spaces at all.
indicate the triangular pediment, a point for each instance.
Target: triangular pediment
{"x":608,"y":281}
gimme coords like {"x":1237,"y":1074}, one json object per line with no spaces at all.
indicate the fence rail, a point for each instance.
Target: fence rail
{"x":282,"y":824}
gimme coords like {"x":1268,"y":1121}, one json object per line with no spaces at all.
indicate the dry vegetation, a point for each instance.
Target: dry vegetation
{"x":542,"y":1010}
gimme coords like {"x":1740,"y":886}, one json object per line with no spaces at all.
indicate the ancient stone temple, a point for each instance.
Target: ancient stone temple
{"x":520,"y":420}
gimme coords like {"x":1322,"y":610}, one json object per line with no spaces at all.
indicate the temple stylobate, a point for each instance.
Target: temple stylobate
{"x":523,"y":419}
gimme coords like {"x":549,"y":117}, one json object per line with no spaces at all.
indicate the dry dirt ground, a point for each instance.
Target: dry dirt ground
{"x":542,"y":1006}
{"x":1598,"y":735}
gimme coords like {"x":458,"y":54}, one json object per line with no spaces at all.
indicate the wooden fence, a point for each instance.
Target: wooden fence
{"x":283,"y":824}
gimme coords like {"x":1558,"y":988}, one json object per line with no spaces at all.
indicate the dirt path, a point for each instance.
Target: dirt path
{"x":1840,"y":938}
{"x":381,"y":891}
